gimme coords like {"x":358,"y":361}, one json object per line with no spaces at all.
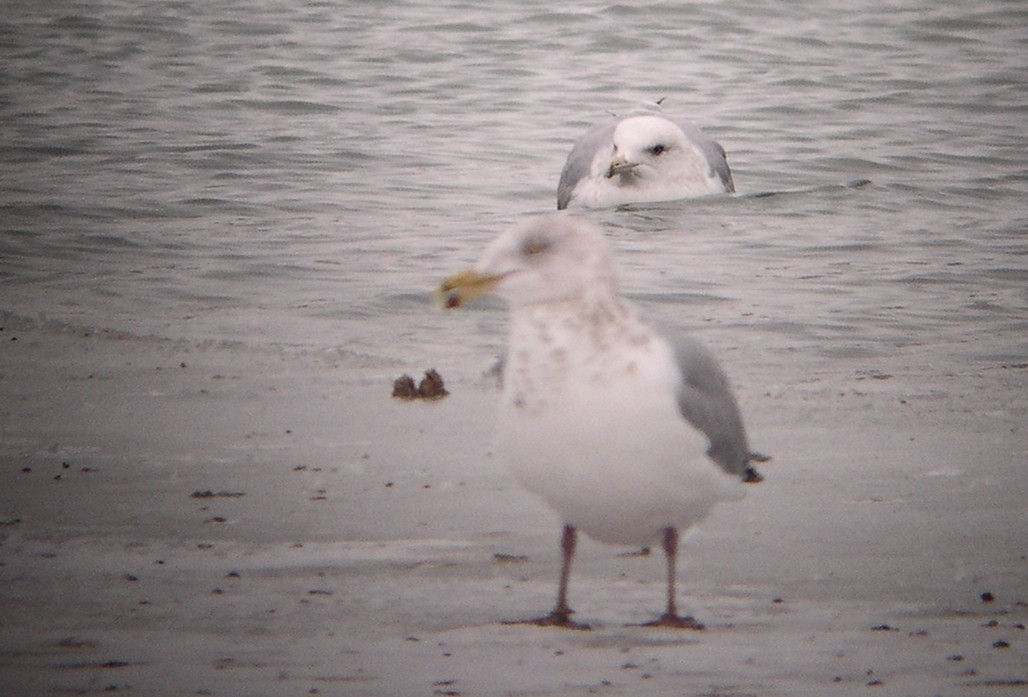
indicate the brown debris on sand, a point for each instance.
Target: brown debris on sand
{"x":430,"y":388}
{"x":404,"y":387}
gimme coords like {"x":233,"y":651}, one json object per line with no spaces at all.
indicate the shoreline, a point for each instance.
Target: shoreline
{"x":224,"y":521}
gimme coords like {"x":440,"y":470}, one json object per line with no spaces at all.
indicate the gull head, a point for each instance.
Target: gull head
{"x":647,"y":147}
{"x":554,"y":258}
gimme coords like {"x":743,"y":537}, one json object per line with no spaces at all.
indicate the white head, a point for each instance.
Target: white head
{"x":650,"y":147}
{"x":551,"y":258}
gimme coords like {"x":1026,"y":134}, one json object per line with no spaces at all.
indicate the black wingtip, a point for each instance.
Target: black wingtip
{"x":751,"y":476}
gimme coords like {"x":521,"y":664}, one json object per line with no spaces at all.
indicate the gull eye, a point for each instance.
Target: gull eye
{"x":534,"y":246}
{"x":658,"y":149}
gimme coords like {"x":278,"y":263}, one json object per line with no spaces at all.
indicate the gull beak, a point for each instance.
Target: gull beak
{"x":464,"y":286}
{"x":619,"y":165}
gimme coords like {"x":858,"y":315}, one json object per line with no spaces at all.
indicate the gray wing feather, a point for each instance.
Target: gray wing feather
{"x":705,"y":400}
{"x":712,"y":151}
{"x":580,"y":159}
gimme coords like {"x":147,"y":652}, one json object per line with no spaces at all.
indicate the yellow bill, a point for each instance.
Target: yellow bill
{"x":462,"y":287}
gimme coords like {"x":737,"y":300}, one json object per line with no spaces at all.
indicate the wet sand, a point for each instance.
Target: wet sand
{"x":212,"y":520}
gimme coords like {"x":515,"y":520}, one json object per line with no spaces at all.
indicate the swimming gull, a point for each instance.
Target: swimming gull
{"x":628,"y":433}
{"x":642,"y":156}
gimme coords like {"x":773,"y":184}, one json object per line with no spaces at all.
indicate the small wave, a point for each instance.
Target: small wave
{"x":287,"y":106}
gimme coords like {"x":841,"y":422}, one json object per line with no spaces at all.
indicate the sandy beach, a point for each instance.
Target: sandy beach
{"x":203,"y":520}
{"x":220,"y":223}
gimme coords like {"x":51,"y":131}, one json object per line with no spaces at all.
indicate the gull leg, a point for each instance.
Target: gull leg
{"x":671,"y":618}
{"x":561,"y":614}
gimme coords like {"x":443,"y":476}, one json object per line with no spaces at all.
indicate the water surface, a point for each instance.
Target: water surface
{"x":298,"y":176}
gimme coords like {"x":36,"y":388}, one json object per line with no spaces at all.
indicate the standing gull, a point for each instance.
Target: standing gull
{"x":628,"y":434}
{"x":639,"y":157}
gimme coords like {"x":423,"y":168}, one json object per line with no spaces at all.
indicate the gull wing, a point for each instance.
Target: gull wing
{"x":706,"y":401}
{"x":580,"y":159}
{"x":712,"y":152}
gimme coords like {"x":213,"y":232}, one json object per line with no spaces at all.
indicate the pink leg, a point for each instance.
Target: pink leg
{"x":561,"y":614}
{"x":671,"y":618}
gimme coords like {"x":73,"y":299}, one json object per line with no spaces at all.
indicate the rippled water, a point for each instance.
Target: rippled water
{"x":299,"y":175}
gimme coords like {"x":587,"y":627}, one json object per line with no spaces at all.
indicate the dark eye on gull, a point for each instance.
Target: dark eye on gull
{"x":534,"y":246}
{"x":658,"y":149}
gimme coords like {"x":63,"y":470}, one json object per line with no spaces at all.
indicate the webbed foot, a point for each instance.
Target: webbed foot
{"x":557,"y":618}
{"x":675,"y":622}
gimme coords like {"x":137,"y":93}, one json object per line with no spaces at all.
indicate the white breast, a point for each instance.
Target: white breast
{"x":606,"y":447}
